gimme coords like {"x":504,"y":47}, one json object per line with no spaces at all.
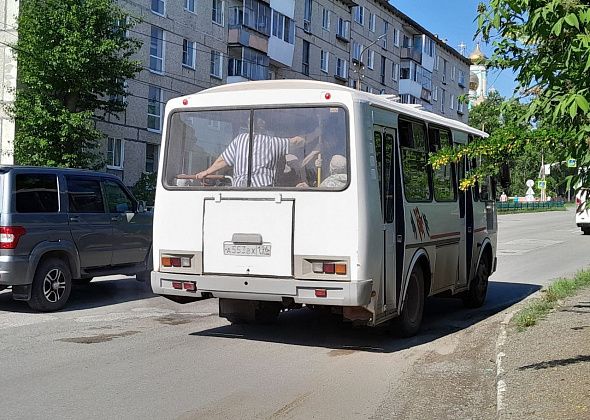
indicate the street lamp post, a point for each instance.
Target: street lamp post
{"x":360,"y":61}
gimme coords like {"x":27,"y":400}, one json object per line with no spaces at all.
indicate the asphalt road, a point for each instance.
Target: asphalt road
{"x":119,"y":352}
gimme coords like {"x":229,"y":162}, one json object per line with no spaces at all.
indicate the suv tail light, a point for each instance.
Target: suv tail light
{"x":9,"y":236}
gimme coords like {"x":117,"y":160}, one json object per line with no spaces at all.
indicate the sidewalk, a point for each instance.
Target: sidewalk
{"x":546,"y":368}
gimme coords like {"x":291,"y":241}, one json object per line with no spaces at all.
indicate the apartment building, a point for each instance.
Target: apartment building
{"x":190,"y":45}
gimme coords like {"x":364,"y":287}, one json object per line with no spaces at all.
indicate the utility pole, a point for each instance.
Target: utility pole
{"x":360,"y":61}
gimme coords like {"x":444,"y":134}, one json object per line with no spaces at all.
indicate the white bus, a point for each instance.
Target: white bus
{"x":272,"y":195}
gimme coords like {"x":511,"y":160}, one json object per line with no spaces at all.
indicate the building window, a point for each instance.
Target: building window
{"x":217,"y":12}
{"x":442,"y":101}
{"x":115,"y":153}
{"x":395,"y":71}
{"x":157,"y":50}
{"x":396,"y":37}
{"x":371,"y":59}
{"x":435,"y":93}
{"x":356,"y":51}
{"x":385,"y":32}
{"x":307,"y":11}
{"x":305,"y":58}
{"x":460,"y":107}
{"x":155,"y":109}
{"x":283,"y":27}
{"x":324,"y":60}
{"x":151,"y":157}
{"x":341,"y":68}
{"x":452,"y":102}
{"x":436,"y":62}
{"x":158,"y":7}
{"x":326,"y":19}
{"x":188,"y":53}
{"x":216,"y":62}
{"x":371,"y":22}
{"x":343,"y":29}
{"x":359,"y":15}
{"x":461,"y":78}
{"x":122,"y":98}
{"x":383,"y":64}
{"x":453,"y":72}
{"x":429,"y":47}
{"x":189,"y":5}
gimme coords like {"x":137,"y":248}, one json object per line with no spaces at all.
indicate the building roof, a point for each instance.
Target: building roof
{"x":420,"y":28}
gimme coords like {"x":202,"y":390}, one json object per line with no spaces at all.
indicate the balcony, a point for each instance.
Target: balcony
{"x":248,"y":29}
{"x":412,"y":54}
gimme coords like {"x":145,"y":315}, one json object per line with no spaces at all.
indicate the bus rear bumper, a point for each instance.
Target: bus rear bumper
{"x":344,"y":293}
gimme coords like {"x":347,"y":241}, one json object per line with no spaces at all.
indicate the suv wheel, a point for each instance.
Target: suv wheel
{"x":52,"y":285}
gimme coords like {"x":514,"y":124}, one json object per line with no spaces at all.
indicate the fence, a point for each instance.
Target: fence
{"x":528,"y":205}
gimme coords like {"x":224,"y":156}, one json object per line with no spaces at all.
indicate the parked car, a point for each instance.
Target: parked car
{"x":59,"y":226}
{"x":583,"y":211}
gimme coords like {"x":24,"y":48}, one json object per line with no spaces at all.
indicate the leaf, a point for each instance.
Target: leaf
{"x":573,"y":109}
{"x":582,"y":103}
{"x":572,"y":20}
{"x":557,"y":27}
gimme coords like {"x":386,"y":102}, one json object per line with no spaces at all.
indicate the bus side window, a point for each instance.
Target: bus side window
{"x":445,"y":188}
{"x":414,"y":161}
{"x":390,"y":177}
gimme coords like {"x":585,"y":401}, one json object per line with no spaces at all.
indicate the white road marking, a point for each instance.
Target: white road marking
{"x":500,"y":383}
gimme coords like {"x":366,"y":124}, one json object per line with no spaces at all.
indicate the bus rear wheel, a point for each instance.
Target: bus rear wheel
{"x":478,"y":289}
{"x":408,"y":322}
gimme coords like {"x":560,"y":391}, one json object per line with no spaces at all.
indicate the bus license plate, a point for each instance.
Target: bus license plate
{"x":248,"y":250}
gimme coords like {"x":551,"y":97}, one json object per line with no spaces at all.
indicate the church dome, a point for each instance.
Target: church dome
{"x":473,"y":81}
{"x":477,"y":56}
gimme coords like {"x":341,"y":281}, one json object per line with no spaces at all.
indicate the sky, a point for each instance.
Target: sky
{"x":456,"y":21}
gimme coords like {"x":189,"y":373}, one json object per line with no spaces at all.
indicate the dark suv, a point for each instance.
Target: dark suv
{"x":64,"y":225}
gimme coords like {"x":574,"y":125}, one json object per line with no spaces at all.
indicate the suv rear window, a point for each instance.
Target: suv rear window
{"x":36,"y":193}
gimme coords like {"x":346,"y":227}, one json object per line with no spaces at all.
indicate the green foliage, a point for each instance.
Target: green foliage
{"x":73,"y":57}
{"x":145,"y":188}
{"x":547,"y":45}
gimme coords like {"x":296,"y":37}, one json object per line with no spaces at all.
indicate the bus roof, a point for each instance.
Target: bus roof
{"x":381,"y":100}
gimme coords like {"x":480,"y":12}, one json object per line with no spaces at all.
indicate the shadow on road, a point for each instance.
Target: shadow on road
{"x":98,"y":293}
{"x":307,"y":327}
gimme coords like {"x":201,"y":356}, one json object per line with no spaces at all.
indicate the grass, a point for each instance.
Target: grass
{"x":538,"y":308}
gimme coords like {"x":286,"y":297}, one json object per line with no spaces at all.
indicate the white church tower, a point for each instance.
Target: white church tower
{"x":478,"y":77}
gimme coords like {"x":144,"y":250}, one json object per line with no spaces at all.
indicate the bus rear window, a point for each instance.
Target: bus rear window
{"x":258,"y":148}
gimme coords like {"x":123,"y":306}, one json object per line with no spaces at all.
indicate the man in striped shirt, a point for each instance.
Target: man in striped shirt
{"x":266,"y":152}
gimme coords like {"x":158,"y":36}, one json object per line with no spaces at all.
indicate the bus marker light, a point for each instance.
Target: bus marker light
{"x":175,"y":261}
{"x":177,"y":285}
{"x":317,"y":267}
{"x":321,"y":293}
{"x":341,"y":269}
{"x":166,"y":262}
{"x":329,"y":268}
{"x":189,"y":286}
{"x":327,"y":96}
{"x":185,"y":101}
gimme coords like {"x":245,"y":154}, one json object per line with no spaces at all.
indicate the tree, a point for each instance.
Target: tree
{"x":73,"y":58}
{"x":547,"y":44}
{"x":145,"y":188}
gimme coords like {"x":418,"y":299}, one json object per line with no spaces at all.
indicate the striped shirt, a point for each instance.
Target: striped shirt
{"x":266,"y":152}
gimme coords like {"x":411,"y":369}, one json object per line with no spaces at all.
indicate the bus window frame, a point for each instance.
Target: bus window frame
{"x":411,"y":120}
{"x":453,"y":165}
{"x":252,"y":108}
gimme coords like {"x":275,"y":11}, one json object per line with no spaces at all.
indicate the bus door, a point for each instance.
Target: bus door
{"x":385,"y":148}
{"x":465,"y":227}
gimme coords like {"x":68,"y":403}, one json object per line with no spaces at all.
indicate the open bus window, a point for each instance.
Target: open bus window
{"x":258,"y":148}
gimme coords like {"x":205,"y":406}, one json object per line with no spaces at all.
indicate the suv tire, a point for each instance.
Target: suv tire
{"x":52,"y":285}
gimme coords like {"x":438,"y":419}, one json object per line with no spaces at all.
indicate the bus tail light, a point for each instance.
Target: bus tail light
{"x":321,"y":293}
{"x":177,"y":285}
{"x":169,"y":261}
{"x":189,"y":286}
{"x":329,"y":267}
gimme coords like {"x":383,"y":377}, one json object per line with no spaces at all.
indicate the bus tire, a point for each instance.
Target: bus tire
{"x":586,"y":230}
{"x":409,"y":320}
{"x":476,"y":295}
